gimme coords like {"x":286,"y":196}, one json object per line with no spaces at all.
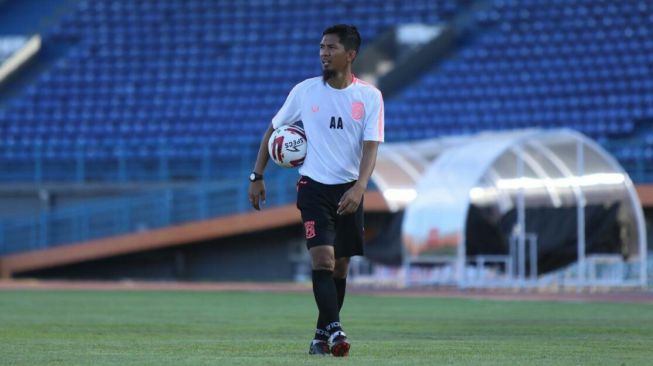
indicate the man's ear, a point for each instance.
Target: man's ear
{"x":351,"y":55}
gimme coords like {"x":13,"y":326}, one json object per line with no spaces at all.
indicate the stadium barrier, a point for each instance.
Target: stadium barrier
{"x":138,"y":212}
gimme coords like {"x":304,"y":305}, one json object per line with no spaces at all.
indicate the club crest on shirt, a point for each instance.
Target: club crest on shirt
{"x":357,"y":111}
{"x":309,"y":228}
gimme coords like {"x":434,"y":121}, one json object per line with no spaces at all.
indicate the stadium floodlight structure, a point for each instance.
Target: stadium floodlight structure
{"x":525,"y":208}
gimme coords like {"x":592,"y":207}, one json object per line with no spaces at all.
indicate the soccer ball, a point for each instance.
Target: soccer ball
{"x":287,"y":146}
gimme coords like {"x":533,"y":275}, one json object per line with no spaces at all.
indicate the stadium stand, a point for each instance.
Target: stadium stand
{"x":163,"y":90}
{"x":174,"y":80}
{"x":582,"y":64}
{"x":182,"y":89}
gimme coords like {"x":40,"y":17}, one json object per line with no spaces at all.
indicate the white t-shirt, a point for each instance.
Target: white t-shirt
{"x":336,"y":121}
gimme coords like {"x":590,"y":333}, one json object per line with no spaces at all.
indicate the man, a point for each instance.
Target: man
{"x":343,"y":120}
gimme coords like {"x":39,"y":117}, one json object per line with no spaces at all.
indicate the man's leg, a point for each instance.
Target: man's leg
{"x":340,"y":279}
{"x":326,"y":296}
{"x":324,"y":288}
{"x":340,"y":271}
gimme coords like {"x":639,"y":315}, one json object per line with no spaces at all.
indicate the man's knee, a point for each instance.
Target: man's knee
{"x":322,"y":258}
{"x":341,"y":267}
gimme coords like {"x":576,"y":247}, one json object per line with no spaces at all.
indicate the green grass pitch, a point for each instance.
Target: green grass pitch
{"x":239,"y":328}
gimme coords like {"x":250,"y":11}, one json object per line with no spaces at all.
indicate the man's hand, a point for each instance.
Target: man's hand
{"x":256,"y":194}
{"x":350,"y":201}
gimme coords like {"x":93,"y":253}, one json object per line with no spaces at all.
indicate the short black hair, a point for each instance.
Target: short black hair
{"x":348,"y":34}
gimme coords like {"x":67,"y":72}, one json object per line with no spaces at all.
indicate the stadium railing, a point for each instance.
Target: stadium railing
{"x":39,"y":165}
{"x":139,"y":212}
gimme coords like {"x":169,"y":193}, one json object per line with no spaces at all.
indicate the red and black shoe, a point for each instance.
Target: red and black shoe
{"x":319,"y":348}
{"x":339,"y":344}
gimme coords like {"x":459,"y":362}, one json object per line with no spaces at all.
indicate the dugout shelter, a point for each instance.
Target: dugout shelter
{"x":515,"y":208}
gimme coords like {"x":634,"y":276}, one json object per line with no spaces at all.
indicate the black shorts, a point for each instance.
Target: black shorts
{"x":318,"y":204}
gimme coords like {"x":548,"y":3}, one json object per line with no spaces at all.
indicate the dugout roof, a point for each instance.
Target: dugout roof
{"x":436,"y":181}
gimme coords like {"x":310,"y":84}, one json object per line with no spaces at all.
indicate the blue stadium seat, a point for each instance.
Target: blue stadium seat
{"x":142,"y":70}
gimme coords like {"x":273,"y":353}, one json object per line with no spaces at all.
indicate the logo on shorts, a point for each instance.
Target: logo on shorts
{"x":309,"y":227}
{"x":357,"y":110}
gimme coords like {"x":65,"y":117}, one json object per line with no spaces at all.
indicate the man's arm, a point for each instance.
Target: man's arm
{"x":352,"y":198}
{"x":257,"y":189}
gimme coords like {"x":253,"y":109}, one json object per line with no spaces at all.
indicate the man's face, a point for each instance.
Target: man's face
{"x":333,"y":56}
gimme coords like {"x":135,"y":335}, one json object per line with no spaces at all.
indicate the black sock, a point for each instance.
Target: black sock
{"x":326,"y":298}
{"x":320,"y":332}
{"x":341,"y":286}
